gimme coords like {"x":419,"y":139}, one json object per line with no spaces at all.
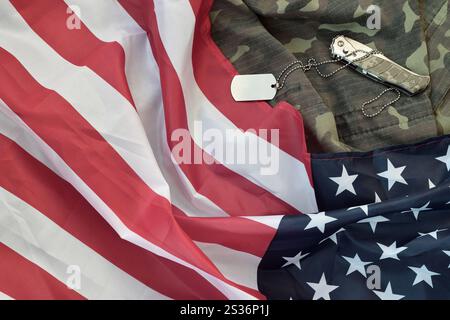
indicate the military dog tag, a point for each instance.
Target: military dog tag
{"x":254,"y":87}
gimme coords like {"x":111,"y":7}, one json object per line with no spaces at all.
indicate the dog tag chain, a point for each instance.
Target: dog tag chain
{"x":369,"y":62}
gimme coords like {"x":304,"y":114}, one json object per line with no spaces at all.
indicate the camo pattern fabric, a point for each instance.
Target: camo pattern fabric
{"x":264,"y":36}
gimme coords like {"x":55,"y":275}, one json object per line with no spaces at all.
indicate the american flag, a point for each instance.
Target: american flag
{"x":87,"y":173}
{"x":384,"y":232}
{"x":90,"y":94}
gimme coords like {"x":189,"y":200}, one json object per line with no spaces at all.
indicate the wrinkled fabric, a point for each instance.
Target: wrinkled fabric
{"x":265,"y":36}
{"x":384,"y":233}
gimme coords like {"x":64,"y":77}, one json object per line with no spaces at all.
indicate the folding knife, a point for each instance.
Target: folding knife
{"x":377,"y":66}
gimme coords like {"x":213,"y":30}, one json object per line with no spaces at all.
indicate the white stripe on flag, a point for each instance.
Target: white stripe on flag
{"x":108,"y":21}
{"x":93,"y":98}
{"x":176,"y":23}
{"x":238,"y":266}
{"x":270,"y":221}
{"x":38,"y":239}
{"x":15,"y":129}
{"x":4,"y":296}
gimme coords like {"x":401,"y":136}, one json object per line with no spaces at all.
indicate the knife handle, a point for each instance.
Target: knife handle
{"x":378,"y":67}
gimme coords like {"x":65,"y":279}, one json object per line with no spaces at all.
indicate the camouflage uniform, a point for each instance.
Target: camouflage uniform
{"x":263,"y":36}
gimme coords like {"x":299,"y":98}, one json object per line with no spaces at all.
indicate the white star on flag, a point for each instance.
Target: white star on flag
{"x":390,"y":251}
{"x":356,"y":264}
{"x":322,"y":289}
{"x":345,"y":182}
{"x":445,"y":159}
{"x":364,"y":208}
{"x":377,"y":198}
{"x":423,"y":274}
{"x":447,"y":253}
{"x":295,"y":260}
{"x":431,"y":185}
{"x":319,"y":220}
{"x":373,"y":221}
{"x":393,"y":174}
{"x":388,"y":294}
{"x":333,"y":237}
{"x":432,"y":233}
{"x":417,"y":211}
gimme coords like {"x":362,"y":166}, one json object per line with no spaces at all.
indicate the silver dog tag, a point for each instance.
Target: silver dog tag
{"x":253,"y":87}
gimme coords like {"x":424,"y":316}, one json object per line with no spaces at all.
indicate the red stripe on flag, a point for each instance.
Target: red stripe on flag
{"x":233,"y":232}
{"x":209,"y":62}
{"x":79,"y":46}
{"x":35,"y":184}
{"x":22,"y":279}
{"x":95,"y":161}
{"x":242,"y":197}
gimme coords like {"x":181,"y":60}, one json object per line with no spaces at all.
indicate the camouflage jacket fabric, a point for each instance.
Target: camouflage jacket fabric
{"x":263,"y":36}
